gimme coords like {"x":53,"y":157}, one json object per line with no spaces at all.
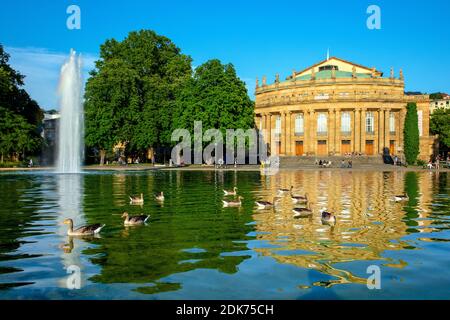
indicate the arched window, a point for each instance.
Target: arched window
{"x":299,"y":124}
{"x":392,"y":122}
{"x":322,"y":123}
{"x":369,"y":122}
{"x":346,"y":122}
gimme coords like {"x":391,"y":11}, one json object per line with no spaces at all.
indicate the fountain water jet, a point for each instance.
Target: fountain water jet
{"x":71,"y":123}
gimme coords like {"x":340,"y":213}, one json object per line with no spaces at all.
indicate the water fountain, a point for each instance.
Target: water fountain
{"x":71,"y":124}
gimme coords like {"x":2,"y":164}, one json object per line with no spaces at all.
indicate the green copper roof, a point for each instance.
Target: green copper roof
{"x":326,"y":74}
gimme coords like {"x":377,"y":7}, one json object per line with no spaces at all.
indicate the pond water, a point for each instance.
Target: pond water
{"x":194,"y":248}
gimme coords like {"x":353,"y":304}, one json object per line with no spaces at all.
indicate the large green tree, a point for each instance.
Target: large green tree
{"x":216,"y":96}
{"x":411,"y":133}
{"x":440,"y":124}
{"x":21,"y":116}
{"x":131,"y":95}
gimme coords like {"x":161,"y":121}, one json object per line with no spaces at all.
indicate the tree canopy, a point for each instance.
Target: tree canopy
{"x":440,"y":124}
{"x":21,"y":116}
{"x":217,"y":97}
{"x":144,"y":87}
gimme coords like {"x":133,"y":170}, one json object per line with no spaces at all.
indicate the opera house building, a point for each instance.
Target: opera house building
{"x":337,"y":108}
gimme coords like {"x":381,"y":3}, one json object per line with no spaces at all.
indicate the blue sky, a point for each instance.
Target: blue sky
{"x":258,"y":37}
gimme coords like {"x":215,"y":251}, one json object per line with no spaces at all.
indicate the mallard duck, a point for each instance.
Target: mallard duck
{"x":303,"y":212}
{"x":327,"y":217}
{"x":403,"y":197}
{"x":88,"y":230}
{"x":282,"y":190}
{"x":159,"y":196}
{"x":265,"y":204}
{"x":134,"y":220}
{"x":298,"y":199}
{"x":232,"y":203}
{"x":230,"y":192}
{"x":136,"y":199}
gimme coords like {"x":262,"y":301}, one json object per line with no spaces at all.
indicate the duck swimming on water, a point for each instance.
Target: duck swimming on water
{"x":230,"y":192}
{"x":88,"y":230}
{"x":232,"y":203}
{"x":303,"y":212}
{"x":265,"y":204}
{"x":134,"y":220}
{"x":159,"y":196}
{"x":403,"y":197}
{"x":137,"y":199}
{"x":328,"y":217}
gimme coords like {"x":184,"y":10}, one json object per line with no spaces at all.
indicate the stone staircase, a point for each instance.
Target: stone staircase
{"x":309,"y":161}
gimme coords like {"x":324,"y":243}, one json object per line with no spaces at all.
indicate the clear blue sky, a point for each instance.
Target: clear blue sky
{"x":258,"y":37}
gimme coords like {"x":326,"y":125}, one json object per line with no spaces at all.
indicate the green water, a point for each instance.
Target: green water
{"x":194,"y":248}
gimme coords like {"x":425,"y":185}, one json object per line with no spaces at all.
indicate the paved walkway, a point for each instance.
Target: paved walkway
{"x":308,"y":167}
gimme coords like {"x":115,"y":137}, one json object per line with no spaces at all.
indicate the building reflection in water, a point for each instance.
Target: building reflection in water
{"x":369,"y":222}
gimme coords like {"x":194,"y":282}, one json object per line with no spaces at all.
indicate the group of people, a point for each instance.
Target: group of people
{"x":436,"y":163}
{"x":353,"y":154}
{"x":324,"y":163}
{"x":346,"y":164}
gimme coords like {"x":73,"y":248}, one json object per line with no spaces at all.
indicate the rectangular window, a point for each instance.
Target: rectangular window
{"x":299,"y":124}
{"x":278,"y":125}
{"x":392,"y":122}
{"x":346,"y":123}
{"x":369,"y":122}
{"x":322,"y":124}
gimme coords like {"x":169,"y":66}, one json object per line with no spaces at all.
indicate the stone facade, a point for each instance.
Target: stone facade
{"x":335,"y":108}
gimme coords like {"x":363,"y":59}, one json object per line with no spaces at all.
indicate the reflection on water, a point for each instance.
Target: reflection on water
{"x":194,"y":248}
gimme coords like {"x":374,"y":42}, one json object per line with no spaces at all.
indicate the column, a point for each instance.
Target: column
{"x":387,"y":130}
{"x":269,"y":132}
{"x":306,"y":131}
{"x":283,"y":132}
{"x":289,"y":136}
{"x":312,"y":131}
{"x":330,"y":130}
{"x":363,"y":131}
{"x":337,"y":131}
{"x":376,"y":124}
{"x":381,"y":132}
{"x":357,"y":134}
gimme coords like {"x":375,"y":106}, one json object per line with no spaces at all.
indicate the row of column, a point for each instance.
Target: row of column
{"x":381,"y":136}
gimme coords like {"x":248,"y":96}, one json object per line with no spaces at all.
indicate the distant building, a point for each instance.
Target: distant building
{"x":440,"y":103}
{"x":50,"y":135}
{"x":336,"y":107}
{"x":50,"y":127}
